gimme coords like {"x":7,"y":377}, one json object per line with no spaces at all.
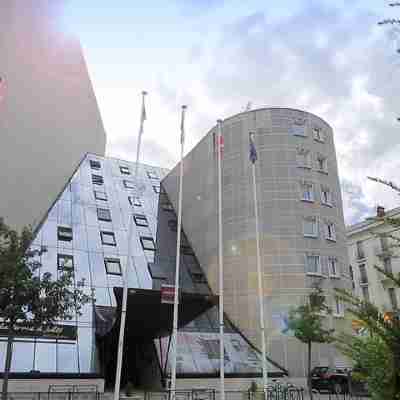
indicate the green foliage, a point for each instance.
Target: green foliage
{"x":373,"y":363}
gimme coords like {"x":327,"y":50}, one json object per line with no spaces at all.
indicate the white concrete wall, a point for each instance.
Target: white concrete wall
{"x":49,"y":117}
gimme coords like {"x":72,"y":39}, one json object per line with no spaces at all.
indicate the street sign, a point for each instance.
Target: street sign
{"x":167,"y":294}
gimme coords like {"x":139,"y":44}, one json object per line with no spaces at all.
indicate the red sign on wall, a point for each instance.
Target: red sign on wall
{"x":167,"y":294}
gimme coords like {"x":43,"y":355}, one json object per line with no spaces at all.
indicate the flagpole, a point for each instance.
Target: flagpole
{"x":260,"y":277}
{"x":221,"y":267}
{"x":178,"y":248}
{"x":125,"y":276}
{"x":142,"y":119}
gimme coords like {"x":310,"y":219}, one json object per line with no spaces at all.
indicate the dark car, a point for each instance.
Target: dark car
{"x":332,"y":380}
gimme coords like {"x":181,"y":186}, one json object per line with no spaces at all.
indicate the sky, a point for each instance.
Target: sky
{"x":327,"y":57}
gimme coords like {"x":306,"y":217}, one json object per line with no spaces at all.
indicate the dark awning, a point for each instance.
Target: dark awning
{"x":147,"y":317}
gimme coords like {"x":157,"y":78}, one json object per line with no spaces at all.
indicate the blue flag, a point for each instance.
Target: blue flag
{"x":253,"y":151}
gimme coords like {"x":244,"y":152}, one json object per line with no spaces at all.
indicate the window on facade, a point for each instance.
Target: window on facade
{"x":187,"y":249}
{"x":140,"y":220}
{"x":313,"y":264}
{"x":152,"y":175}
{"x":108,"y":238}
{"x":65,"y":262}
{"x":322,"y":163}
{"x":167,"y":207}
{"x":173,"y":225}
{"x":365,"y":293}
{"x":307,"y":191}
{"x":303,"y":158}
{"x":363,"y":274}
{"x":326,"y":196}
{"x":134,"y":201}
{"x":64,"y":233}
{"x":351,"y":273}
{"x":113,"y":266}
{"x":156,"y":272}
{"x":384,"y":240}
{"x":128,"y":184}
{"x":124,"y":170}
{"x":95,"y":164}
{"x":97,"y":179}
{"x":158,"y":189}
{"x":299,"y":127}
{"x":393,"y":298}
{"x":100,"y":195}
{"x":103,"y":214}
{"x":147,"y":243}
{"x":318,"y":134}
{"x":310,"y":227}
{"x":198,"y":277}
{"x":360,"y":250}
{"x":387,"y":265}
{"x":332,"y":265}
{"x":338,"y":307}
{"x":330,"y":233}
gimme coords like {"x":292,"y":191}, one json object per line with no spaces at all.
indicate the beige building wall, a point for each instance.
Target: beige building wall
{"x":368,"y":246}
{"x":282,"y":137}
{"x":49,"y":116}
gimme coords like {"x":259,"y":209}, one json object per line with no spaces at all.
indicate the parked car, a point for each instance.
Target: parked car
{"x":332,"y":380}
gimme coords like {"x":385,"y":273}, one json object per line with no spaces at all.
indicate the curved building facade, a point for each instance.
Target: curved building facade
{"x":300,"y":216}
{"x":49,"y":116}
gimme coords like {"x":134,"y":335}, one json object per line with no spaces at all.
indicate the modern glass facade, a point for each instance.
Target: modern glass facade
{"x":86,"y":230}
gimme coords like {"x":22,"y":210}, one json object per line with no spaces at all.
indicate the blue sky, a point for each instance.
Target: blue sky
{"x":327,"y":57}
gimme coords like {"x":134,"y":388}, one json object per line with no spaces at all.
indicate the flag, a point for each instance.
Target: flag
{"x":2,"y":89}
{"x":183,"y":125}
{"x":253,"y":151}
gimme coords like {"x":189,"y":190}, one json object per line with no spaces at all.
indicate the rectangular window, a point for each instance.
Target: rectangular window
{"x":198,"y":277}
{"x":103,"y":214}
{"x":156,"y":272}
{"x":299,"y":128}
{"x":167,"y":207}
{"x":113,"y":266}
{"x":318,"y":134}
{"x":338,"y":308}
{"x":124,"y":170}
{"x":108,"y":238}
{"x":307,"y":191}
{"x":332,"y":265}
{"x":140,"y":220}
{"x":95,"y":164}
{"x":97,"y":179}
{"x":303,"y":158}
{"x":365,"y":293}
{"x":322,"y":164}
{"x":134,"y":201}
{"x":100,"y":195}
{"x":158,"y":189}
{"x":393,"y":298}
{"x":147,"y":243}
{"x":360,"y":250}
{"x":363,"y":275}
{"x":330,"y":233}
{"x":64,"y":233}
{"x":152,"y":175}
{"x":387,"y":265}
{"x":128,"y":184}
{"x":326,"y":196}
{"x":384,"y":242}
{"x":310,"y":227}
{"x":313,"y":264}
{"x":65,"y":262}
{"x":351,"y":272}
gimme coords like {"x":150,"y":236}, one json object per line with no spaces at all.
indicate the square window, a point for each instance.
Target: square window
{"x":97,"y":179}
{"x":307,"y":191}
{"x":113,"y":266}
{"x":108,"y":238}
{"x":100,"y":195}
{"x":65,"y":262}
{"x":310,"y":227}
{"x":168,"y":207}
{"x":299,"y":127}
{"x":330,"y":233}
{"x":152,"y":175}
{"x":95,"y":164}
{"x":134,"y":201}
{"x":326,"y":196}
{"x":318,"y":134}
{"x":140,"y":220}
{"x":128,"y":184}
{"x":147,"y":243}
{"x":103,"y":214}
{"x":64,"y":233}
{"x":124,"y":170}
{"x":313,"y":266}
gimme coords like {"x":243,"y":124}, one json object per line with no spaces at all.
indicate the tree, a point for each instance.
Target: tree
{"x":307,"y":323}
{"x":30,"y":299}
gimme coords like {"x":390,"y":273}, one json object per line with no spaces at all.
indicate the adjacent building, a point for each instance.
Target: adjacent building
{"x":49,"y":116}
{"x":371,"y":243}
{"x":86,"y":230}
{"x":303,"y":238}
